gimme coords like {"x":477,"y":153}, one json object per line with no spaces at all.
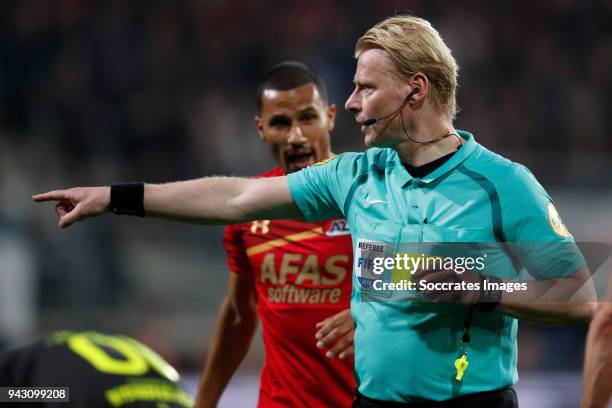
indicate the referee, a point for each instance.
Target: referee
{"x":420,"y":181}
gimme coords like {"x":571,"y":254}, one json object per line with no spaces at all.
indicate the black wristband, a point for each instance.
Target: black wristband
{"x":127,"y":199}
{"x":489,"y":298}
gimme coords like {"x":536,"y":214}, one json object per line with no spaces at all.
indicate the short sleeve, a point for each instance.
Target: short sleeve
{"x":535,"y":230}
{"x":320,"y":190}
{"x":237,"y":258}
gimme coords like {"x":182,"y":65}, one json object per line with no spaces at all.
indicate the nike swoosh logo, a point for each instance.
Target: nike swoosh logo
{"x":371,"y":202}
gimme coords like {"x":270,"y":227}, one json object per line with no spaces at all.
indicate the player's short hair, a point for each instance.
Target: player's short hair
{"x":415,"y":46}
{"x":290,"y":75}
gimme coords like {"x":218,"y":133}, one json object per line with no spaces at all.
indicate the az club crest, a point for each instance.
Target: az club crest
{"x":338,"y":228}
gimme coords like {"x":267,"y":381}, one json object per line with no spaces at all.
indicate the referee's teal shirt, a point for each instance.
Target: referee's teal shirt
{"x":405,"y":351}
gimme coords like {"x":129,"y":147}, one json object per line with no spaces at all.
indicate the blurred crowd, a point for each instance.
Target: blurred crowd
{"x":93,"y":92}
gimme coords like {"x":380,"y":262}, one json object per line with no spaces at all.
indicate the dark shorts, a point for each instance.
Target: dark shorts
{"x":505,"y":398}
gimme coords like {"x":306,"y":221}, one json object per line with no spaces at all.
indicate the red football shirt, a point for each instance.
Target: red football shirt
{"x":303,"y":276}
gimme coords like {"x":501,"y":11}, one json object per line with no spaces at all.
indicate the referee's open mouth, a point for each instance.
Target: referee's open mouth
{"x":299,"y":159}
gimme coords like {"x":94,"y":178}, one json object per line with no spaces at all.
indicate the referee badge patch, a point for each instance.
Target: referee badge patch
{"x":365,"y":253}
{"x":556,"y":223}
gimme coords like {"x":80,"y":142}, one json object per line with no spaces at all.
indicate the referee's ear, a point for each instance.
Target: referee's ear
{"x":259,"y":126}
{"x":331,"y":117}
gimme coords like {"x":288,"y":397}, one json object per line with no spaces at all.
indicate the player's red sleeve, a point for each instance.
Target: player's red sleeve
{"x":237,"y":259}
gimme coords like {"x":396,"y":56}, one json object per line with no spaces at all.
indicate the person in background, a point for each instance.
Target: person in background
{"x":100,"y":370}
{"x":293,"y":276}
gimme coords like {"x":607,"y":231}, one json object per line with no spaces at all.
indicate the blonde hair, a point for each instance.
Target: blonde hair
{"x":413,"y":45}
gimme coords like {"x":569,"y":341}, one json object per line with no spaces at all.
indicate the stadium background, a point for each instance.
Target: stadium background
{"x":96,"y":92}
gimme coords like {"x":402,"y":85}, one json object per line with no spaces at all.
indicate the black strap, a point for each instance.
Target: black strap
{"x":467,"y":325}
{"x":127,"y":198}
{"x":489,"y":299}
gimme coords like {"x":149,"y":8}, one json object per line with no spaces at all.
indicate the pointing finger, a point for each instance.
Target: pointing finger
{"x":56,"y":195}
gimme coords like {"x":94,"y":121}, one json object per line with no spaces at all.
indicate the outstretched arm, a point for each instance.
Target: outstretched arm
{"x":211,"y":200}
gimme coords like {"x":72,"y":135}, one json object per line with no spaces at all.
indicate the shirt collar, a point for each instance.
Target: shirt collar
{"x":463,"y":153}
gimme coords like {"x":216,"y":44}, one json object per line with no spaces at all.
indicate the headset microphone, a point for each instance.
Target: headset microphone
{"x":371,"y":121}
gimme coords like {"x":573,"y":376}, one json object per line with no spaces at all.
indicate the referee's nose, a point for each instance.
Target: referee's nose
{"x":353,"y":104}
